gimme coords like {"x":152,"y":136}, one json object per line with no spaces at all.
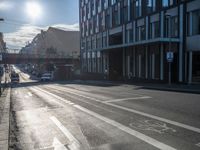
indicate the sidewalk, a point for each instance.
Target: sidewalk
{"x":186,"y":88}
{"x":4,"y":119}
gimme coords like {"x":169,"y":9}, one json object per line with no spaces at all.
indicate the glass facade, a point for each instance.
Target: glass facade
{"x":195,"y":22}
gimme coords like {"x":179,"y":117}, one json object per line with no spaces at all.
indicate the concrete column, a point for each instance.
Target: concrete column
{"x":110,"y":17}
{"x":129,"y":10}
{"x":128,"y":66}
{"x":134,"y":31}
{"x":147,"y":27}
{"x":139,"y":66}
{"x":162,"y":24}
{"x":180,"y":78}
{"x":107,"y":35}
{"x":146,"y":62}
{"x":161,"y":62}
{"x":190,"y":68}
{"x":134,"y":60}
{"x":190,"y":30}
{"x":153,"y":66}
{"x":124,"y":33}
{"x":119,"y":12}
{"x":124,"y":63}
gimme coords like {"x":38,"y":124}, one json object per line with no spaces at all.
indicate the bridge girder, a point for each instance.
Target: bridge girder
{"x":8,"y":58}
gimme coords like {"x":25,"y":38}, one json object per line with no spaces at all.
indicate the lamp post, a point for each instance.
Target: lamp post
{"x":169,"y":54}
{"x":1,"y":19}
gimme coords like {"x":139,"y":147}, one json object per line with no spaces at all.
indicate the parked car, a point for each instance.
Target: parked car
{"x":14,"y":77}
{"x":46,"y":77}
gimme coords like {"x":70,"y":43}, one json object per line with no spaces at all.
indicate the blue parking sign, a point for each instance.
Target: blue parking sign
{"x":170,"y":56}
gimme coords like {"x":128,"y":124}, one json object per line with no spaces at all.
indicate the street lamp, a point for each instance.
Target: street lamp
{"x":169,"y":54}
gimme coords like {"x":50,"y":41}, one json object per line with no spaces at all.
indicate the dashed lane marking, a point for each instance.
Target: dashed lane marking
{"x":74,"y":143}
{"x":125,"y":99}
{"x":185,"y":126}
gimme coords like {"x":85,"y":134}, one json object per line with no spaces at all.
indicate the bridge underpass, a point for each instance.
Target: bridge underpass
{"x":13,"y":58}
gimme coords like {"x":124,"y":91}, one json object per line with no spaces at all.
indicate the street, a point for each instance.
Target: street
{"x":80,"y":115}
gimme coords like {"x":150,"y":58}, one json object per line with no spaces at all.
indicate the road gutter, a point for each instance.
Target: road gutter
{"x":5,"y":121}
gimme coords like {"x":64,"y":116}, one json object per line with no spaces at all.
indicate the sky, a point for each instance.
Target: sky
{"x":24,"y":19}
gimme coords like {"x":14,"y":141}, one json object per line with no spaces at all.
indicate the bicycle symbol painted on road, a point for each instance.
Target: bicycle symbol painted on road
{"x":150,"y":125}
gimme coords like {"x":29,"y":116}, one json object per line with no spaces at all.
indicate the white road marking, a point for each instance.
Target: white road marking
{"x":58,"y":145}
{"x":128,"y":130}
{"x":185,"y":126}
{"x":198,"y":144}
{"x":125,"y":99}
{"x":51,"y":94}
{"x":74,"y":144}
{"x":151,"y":125}
{"x":30,"y":94}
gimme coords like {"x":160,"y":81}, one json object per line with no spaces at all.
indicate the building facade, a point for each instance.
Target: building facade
{"x":55,"y":43}
{"x":132,"y":39}
{"x":2,"y":44}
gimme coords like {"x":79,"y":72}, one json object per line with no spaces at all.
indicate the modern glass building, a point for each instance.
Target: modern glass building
{"x":136,"y":39}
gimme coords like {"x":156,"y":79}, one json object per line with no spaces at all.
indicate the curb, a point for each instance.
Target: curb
{"x":160,"y":88}
{"x":173,"y":89}
{"x":5,"y":123}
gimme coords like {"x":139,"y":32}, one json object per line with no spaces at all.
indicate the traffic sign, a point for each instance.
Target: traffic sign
{"x":170,"y":56}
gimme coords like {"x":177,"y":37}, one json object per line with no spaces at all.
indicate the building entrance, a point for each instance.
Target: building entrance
{"x":115,"y":64}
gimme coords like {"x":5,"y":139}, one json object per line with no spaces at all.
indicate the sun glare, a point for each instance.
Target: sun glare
{"x":33,"y":10}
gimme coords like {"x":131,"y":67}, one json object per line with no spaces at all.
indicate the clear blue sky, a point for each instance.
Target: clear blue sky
{"x":37,"y":13}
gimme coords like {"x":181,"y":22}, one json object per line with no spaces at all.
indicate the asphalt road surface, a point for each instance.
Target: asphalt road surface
{"x":101,"y":116}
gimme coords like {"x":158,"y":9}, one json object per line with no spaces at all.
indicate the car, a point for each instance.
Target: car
{"x":46,"y":77}
{"x":15,"y":78}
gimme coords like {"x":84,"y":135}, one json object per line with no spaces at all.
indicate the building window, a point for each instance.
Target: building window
{"x":151,"y":6}
{"x":154,"y":29}
{"x":94,"y":43}
{"x":125,"y":11}
{"x":138,"y":8}
{"x":174,"y":26}
{"x":88,"y":44}
{"x":165,"y":3}
{"x":99,"y":42}
{"x":104,"y":41}
{"x":116,"y":19}
{"x":107,"y":19}
{"x":195,"y":22}
{"x":131,"y":9}
{"x":140,"y":33}
{"x":113,"y":2}
{"x":129,"y":36}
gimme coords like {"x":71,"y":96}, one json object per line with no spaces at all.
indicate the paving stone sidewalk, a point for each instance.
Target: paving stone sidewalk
{"x":4,"y":119}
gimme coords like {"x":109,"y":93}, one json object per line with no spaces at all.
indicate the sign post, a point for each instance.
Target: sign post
{"x":170,"y":57}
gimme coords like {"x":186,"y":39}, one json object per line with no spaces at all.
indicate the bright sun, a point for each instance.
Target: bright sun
{"x":33,"y":9}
